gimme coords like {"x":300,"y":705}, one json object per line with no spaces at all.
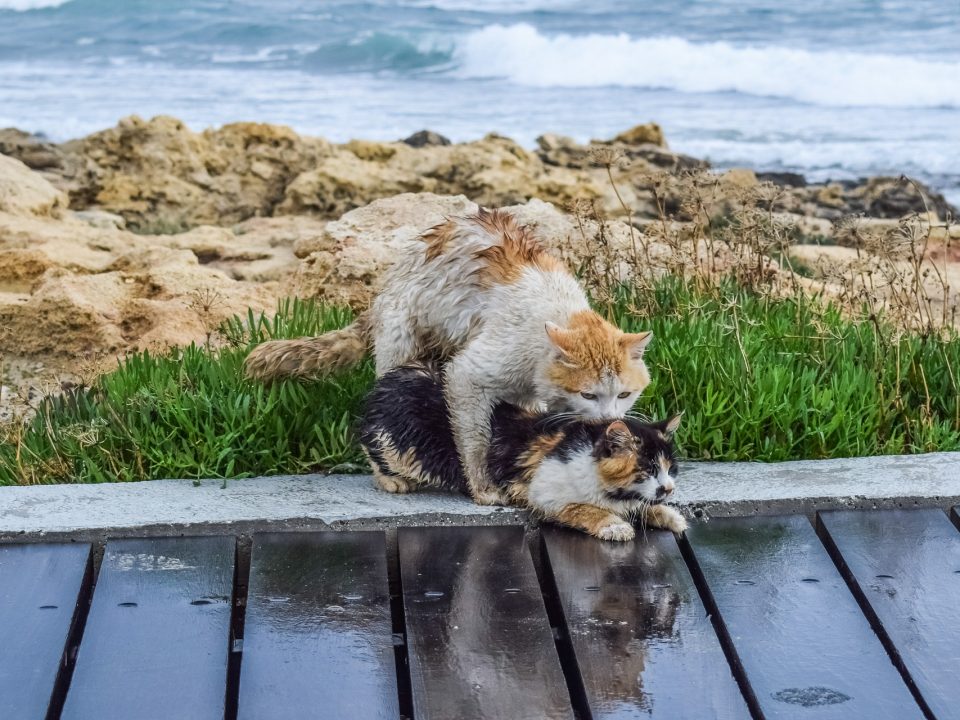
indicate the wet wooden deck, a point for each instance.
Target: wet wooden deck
{"x":854,"y":615}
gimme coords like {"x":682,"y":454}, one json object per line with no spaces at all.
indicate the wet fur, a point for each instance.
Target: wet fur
{"x":482,"y":293}
{"x":594,"y":476}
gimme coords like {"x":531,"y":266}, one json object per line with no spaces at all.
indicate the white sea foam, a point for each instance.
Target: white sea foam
{"x":521,"y":54}
{"x":24,"y":5}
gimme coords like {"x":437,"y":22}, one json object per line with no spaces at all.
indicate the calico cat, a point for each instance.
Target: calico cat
{"x":591,"y":475}
{"x":513,"y":324}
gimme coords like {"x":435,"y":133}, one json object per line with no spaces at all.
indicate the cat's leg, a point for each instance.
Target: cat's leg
{"x":394,"y":337}
{"x":665,"y":517}
{"x":470,"y":406}
{"x":597,"y":521}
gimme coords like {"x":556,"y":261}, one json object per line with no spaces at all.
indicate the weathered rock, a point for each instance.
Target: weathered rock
{"x":425,"y":138}
{"x":32,"y":150}
{"x":24,"y":192}
{"x":99,"y":219}
{"x":646,"y":134}
{"x":344,"y":263}
{"x":783,"y":179}
{"x":158,"y":173}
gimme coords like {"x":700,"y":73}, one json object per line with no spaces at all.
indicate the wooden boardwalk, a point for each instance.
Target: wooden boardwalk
{"x":855,"y":615}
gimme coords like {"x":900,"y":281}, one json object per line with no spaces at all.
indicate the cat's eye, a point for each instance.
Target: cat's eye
{"x":623,"y":395}
{"x":588,"y":396}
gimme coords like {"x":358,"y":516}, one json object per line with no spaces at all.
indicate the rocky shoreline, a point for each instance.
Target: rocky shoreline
{"x":148,"y":234}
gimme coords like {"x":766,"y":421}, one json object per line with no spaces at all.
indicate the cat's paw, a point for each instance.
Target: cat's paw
{"x":393,"y":484}
{"x":490,"y":497}
{"x":662,"y":516}
{"x":618,"y":531}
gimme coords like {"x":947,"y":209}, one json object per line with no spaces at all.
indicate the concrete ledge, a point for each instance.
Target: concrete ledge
{"x":350,"y":501}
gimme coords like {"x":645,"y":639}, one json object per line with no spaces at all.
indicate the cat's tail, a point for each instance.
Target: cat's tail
{"x":310,"y":357}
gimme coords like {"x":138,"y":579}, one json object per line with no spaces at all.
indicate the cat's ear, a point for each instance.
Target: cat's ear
{"x":636,"y":343}
{"x":618,"y":438}
{"x":560,"y":338}
{"x":669,"y":427}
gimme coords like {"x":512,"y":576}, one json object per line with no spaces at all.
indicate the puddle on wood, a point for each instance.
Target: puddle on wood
{"x":811,"y":696}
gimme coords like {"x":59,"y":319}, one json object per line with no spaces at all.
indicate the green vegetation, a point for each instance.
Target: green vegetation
{"x":759,"y":378}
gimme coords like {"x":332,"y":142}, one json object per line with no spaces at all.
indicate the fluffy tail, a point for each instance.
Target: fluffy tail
{"x":310,"y":357}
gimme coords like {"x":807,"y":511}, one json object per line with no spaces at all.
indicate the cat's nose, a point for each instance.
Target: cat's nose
{"x":664,"y":490}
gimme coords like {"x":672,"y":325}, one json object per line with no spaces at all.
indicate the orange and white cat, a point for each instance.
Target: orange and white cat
{"x":509,"y":321}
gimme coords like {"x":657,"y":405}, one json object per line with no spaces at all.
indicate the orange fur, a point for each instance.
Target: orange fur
{"x":591,"y":347}
{"x":438,"y":238}
{"x":518,"y":248}
{"x":538,"y":450}
{"x":589,"y":518}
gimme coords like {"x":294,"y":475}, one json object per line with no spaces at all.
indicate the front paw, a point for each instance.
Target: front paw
{"x":618,"y":531}
{"x":394,"y":484}
{"x":662,"y":516}
{"x":490,"y":497}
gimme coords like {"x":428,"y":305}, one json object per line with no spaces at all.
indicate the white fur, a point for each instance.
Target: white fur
{"x":558,"y":483}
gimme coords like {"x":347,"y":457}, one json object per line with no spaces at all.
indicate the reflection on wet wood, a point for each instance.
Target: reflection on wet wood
{"x":906,"y":564}
{"x":317,"y":637}
{"x":156,"y":641}
{"x":479,"y":640}
{"x":807,"y":650}
{"x":642,"y":638}
{"x":39,"y":588}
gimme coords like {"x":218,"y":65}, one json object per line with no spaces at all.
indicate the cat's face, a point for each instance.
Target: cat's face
{"x":635,"y":461}
{"x":598,"y":370}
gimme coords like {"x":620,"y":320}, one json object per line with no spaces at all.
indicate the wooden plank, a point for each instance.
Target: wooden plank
{"x":478,"y":637}
{"x":807,"y":649}
{"x":157,"y":637}
{"x":643,"y":641}
{"x":318,"y":631}
{"x":906,"y":566}
{"x":40,"y":587}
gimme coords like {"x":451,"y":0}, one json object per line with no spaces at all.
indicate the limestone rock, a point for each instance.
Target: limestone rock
{"x":32,"y":150}
{"x":424,"y":138}
{"x":346,"y":261}
{"x":24,"y":192}
{"x":646,"y":134}
{"x":158,"y":173}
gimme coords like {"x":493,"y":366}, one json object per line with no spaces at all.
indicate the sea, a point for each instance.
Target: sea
{"x":832,"y":89}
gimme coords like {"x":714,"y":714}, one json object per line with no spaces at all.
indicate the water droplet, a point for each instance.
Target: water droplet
{"x":278,"y":599}
{"x":433,"y":594}
{"x":661,"y":587}
{"x":127,"y":604}
{"x":201,"y":601}
{"x":511,"y":591}
{"x":335,"y":608}
{"x":885,"y":577}
{"x":809,"y":580}
{"x":48,"y":607}
{"x":352,"y":597}
{"x":592,"y":588}
{"x":745,"y":582}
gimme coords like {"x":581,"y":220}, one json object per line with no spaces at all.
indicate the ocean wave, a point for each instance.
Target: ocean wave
{"x":24,"y":5}
{"x":521,"y":54}
{"x":377,"y":52}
